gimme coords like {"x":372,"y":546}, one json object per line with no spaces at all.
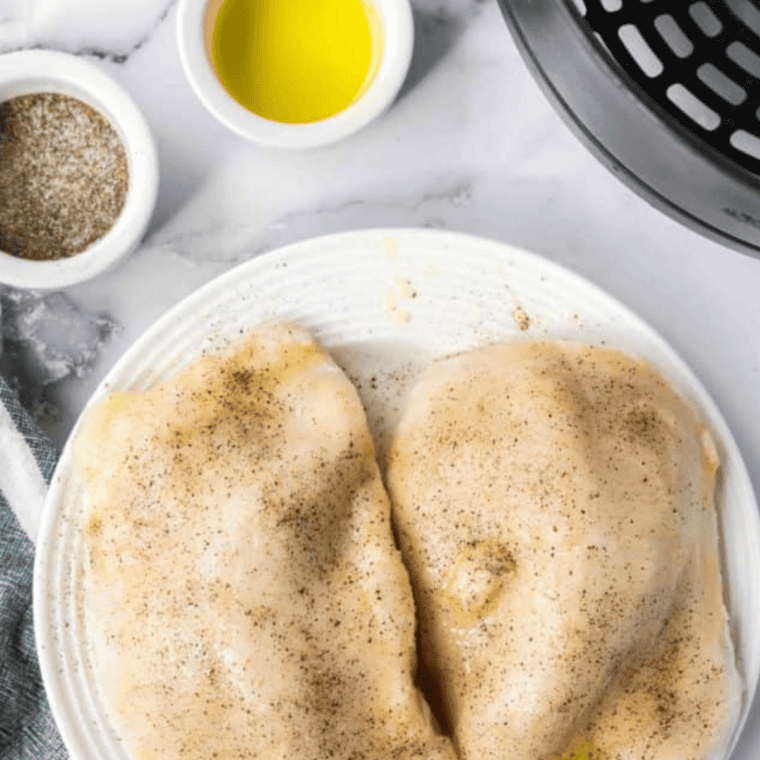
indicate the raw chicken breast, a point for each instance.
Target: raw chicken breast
{"x":554,"y":504}
{"x":244,"y":595}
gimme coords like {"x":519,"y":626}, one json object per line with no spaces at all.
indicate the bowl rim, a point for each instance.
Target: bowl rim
{"x":398,"y":42}
{"x":31,"y":71}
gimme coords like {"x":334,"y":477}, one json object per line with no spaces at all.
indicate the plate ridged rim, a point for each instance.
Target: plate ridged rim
{"x":354,"y":290}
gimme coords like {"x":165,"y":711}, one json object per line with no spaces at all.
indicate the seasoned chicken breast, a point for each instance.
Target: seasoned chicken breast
{"x":244,"y":595}
{"x":554,"y":505}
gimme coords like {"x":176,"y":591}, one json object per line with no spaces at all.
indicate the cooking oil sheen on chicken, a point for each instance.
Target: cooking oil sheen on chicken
{"x":554,"y":504}
{"x":244,"y":594}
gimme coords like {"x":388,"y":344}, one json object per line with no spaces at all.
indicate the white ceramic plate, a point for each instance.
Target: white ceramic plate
{"x":385,"y":303}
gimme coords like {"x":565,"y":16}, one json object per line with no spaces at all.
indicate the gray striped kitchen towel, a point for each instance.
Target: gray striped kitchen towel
{"x":27,"y":460}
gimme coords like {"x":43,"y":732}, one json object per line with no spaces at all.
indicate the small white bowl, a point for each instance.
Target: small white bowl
{"x":35,"y":71}
{"x":195,"y":21}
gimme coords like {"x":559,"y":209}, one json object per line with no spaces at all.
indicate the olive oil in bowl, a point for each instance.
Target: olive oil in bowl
{"x":295,"y":61}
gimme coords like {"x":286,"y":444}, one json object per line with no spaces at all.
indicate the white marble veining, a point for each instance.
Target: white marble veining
{"x":470,"y":145}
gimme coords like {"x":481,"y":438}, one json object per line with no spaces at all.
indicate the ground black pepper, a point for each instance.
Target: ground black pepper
{"x":63,"y":176}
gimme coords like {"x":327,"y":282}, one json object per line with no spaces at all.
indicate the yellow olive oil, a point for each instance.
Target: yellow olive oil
{"x":293,"y":61}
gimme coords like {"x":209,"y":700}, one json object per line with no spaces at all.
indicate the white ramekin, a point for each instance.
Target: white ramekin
{"x":33,"y":71}
{"x":195,"y":19}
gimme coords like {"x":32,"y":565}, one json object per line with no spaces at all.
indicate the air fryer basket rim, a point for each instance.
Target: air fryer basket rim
{"x":629,"y":133}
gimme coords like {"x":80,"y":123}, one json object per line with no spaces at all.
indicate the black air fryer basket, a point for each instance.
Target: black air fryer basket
{"x":666,"y":94}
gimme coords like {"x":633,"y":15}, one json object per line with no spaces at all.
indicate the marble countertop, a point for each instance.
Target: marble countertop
{"x":470,"y":145}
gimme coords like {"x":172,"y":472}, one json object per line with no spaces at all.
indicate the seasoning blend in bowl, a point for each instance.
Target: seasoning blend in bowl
{"x":295,"y":73}
{"x":78,"y":170}
{"x":63,"y":176}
